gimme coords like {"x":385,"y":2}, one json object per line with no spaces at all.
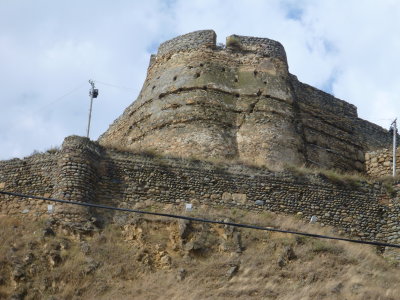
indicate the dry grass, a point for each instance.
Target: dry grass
{"x":335,"y":176}
{"x":389,"y":182}
{"x":350,"y":179}
{"x":129,"y":261}
{"x":193,"y":160}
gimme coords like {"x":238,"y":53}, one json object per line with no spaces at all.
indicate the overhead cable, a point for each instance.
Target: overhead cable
{"x":312,"y":235}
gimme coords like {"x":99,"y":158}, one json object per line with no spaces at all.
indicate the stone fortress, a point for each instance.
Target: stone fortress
{"x":240,"y":102}
{"x":237,"y":103}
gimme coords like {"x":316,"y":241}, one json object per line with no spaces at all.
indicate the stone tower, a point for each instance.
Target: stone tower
{"x":240,"y":102}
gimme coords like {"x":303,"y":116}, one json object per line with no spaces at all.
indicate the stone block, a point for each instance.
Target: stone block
{"x":241,"y":198}
{"x":259,"y":202}
{"x":226,"y":196}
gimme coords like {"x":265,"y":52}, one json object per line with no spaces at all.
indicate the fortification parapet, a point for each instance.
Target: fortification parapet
{"x":33,"y":175}
{"x":207,"y":39}
{"x":75,"y":143}
{"x":263,"y":46}
{"x":373,"y":137}
{"x":189,"y":41}
{"x":311,"y":96}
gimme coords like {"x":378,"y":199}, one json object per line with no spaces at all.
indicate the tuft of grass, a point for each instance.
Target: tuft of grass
{"x":151,"y":153}
{"x":35,"y":152}
{"x":389,"y":179}
{"x":388,"y":183}
{"x":346,"y":179}
{"x":338,"y":177}
{"x":319,"y":246}
{"x":299,"y":170}
{"x":390,"y":189}
{"x":392,"y":261}
{"x":53,"y":150}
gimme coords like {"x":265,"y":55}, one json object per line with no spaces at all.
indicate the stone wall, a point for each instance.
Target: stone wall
{"x":354,"y":208}
{"x":372,"y":136}
{"x":33,"y":175}
{"x":85,"y":171}
{"x":189,"y":41}
{"x":326,"y":103}
{"x":328,"y":128}
{"x":262,"y":46}
{"x":380,"y":163}
{"x":69,"y":174}
{"x":77,"y":176}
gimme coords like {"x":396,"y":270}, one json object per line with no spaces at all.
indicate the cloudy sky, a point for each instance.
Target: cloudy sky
{"x":49,"y":49}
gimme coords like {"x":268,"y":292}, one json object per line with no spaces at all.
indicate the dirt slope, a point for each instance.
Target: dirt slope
{"x":152,"y":258}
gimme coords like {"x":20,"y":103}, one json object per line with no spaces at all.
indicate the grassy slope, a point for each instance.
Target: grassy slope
{"x":154,"y":258}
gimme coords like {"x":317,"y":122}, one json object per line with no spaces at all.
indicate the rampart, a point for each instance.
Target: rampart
{"x":69,"y":174}
{"x":77,"y":176}
{"x":372,"y":136}
{"x":379,"y":163}
{"x":84,"y":171}
{"x":262,"y":46}
{"x":240,"y":102}
{"x":194,"y":40}
{"x":32,"y":175}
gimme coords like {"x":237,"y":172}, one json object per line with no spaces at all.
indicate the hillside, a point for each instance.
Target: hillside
{"x":140,"y":257}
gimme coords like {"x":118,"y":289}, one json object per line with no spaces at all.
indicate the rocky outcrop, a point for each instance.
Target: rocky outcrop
{"x":239,"y":102}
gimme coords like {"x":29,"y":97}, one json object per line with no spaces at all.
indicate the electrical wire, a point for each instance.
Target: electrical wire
{"x":115,"y":86}
{"x":331,"y":116}
{"x":312,"y":235}
{"x":59,"y":98}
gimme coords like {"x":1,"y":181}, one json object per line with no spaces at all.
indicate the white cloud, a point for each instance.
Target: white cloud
{"x":48,"y":48}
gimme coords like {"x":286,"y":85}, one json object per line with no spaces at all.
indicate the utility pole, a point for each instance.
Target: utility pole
{"x":93,"y":93}
{"x":393,"y":127}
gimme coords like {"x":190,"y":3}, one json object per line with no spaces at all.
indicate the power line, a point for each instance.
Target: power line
{"x":59,"y":98}
{"x":332,"y":116}
{"x":115,"y":86}
{"x":203,"y":220}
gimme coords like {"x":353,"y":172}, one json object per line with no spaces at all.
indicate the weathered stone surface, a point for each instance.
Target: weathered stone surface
{"x":240,"y":102}
{"x":241,"y":198}
{"x":209,"y":103}
{"x":82,"y":170}
{"x":380,"y":162}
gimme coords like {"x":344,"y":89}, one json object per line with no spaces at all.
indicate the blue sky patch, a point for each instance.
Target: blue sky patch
{"x":293,"y":10}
